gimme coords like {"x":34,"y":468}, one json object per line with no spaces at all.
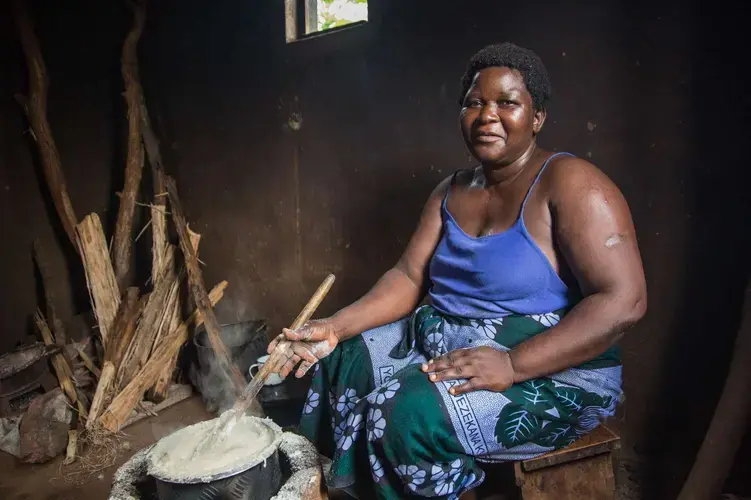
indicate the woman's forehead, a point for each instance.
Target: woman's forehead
{"x":499,"y":79}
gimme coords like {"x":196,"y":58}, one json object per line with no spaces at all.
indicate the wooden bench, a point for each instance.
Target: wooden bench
{"x":580,"y":471}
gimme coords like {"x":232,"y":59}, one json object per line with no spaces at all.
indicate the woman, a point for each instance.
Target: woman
{"x":532,"y":273}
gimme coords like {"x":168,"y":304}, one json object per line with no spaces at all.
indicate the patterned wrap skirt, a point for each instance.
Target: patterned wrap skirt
{"x":392,"y":433}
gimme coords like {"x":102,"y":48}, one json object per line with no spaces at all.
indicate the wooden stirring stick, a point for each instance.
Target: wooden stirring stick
{"x":281,"y":354}
{"x":283,"y":350}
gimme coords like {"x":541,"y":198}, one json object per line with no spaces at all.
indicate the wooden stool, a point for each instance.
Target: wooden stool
{"x":580,"y":471}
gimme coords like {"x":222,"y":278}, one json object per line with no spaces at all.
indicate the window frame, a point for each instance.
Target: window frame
{"x":301,"y":20}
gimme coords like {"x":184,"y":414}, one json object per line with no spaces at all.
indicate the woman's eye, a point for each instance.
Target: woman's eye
{"x":474,"y":103}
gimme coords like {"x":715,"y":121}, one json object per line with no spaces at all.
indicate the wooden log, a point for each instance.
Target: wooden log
{"x":124,"y":327}
{"x":195,"y":239}
{"x":170,"y":321}
{"x":159,"y":244}
{"x":148,"y":325}
{"x":36,"y":112}
{"x":50,"y":284}
{"x":123,"y":241}
{"x":167,"y":376}
{"x":167,"y":314}
{"x":153,"y":152}
{"x":158,"y":236}
{"x":198,"y":290}
{"x":88,"y":363}
{"x":102,"y":393}
{"x":59,"y":365}
{"x":175,"y":394}
{"x":159,"y":391}
{"x":159,"y":207}
{"x":121,"y":407}
{"x":100,"y":277}
{"x":70,"y":452}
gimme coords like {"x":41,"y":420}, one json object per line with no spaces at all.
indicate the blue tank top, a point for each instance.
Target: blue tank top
{"x":495,"y":275}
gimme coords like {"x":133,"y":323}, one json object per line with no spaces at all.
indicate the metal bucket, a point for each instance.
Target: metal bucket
{"x":259,"y":481}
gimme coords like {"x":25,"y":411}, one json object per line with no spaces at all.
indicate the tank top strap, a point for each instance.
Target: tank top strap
{"x":451,"y":184}
{"x":537,"y":178}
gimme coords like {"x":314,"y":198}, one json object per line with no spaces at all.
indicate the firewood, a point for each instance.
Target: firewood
{"x":123,"y":242}
{"x":59,"y":365}
{"x":100,"y":276}
{"x":165,"y":379}
{"x":121,"y":407}
{"x":165,"y":320}
{"x":195,"y":239}
{"x":36,"y":111}
{"x":70,"y":452}
{"x":158,"y":237}
{"x":50,"y":283}
{"x":88,"y":362}
{"x":198,"y":290}
{"x":159,"y":391}
{"x":170,"y":320}
{"x":175,"y":394}
{"x":158,"y":221}
{"x":159,"y":207}
{"x":148,"y":325}
{"x":125,"y":325}
{"x":102,"y":393}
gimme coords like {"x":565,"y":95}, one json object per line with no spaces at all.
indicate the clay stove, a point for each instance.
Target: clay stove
{"x":299,"y":464}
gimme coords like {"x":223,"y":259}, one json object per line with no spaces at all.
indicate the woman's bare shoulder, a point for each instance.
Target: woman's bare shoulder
{"x":573,"y":178}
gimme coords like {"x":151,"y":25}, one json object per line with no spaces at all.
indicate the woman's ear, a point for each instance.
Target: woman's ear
{"x":539,"y":120}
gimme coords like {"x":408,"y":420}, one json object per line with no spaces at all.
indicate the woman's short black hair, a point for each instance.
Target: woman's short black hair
{"x":511,"y":56}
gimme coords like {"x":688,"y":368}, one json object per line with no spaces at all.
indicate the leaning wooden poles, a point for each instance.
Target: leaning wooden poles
{"x":198,"y":290}
{"x":35,"y":106}
{"x":141,"y":331}
{"x":123,"y":243}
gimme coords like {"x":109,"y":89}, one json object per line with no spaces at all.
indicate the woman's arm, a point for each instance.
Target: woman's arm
{"x":393,"y":297}
{"x":400,"y":290}
{"x":594,"y":230}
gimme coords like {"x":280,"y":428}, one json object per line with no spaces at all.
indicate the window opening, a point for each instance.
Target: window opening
{"x":312,"y":17}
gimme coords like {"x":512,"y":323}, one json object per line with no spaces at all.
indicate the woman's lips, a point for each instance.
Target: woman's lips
{"x":488,"y":138}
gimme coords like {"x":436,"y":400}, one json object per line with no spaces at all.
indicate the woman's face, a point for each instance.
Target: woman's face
{"x":498,"y":119}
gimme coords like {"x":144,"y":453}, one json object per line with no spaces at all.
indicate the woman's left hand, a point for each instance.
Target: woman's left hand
{"x":484,"y":368}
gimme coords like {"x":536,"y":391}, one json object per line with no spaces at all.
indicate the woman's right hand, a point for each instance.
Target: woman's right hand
{"x":310,"y":343}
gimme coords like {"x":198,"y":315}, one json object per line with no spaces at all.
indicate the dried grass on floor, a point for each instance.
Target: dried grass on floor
{"x":98,"y":449}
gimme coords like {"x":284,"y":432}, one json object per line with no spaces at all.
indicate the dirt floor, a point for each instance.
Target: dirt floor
{"x":43,"y":482}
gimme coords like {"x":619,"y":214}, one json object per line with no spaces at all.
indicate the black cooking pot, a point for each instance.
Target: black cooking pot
{"x":245,"y":342}
{"x":260,"y":480}
{"x":257,"y":483}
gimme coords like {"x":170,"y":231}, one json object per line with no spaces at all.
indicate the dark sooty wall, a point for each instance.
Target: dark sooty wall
{"x":652,"y":95}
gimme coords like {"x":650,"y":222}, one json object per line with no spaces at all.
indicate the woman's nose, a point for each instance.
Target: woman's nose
{"x":489,"y":113}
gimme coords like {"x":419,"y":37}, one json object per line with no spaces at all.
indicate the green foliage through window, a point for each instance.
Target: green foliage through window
{"x":335,"y":13}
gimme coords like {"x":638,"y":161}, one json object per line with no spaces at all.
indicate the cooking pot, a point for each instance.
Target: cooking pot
{"x":258,"y":479}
